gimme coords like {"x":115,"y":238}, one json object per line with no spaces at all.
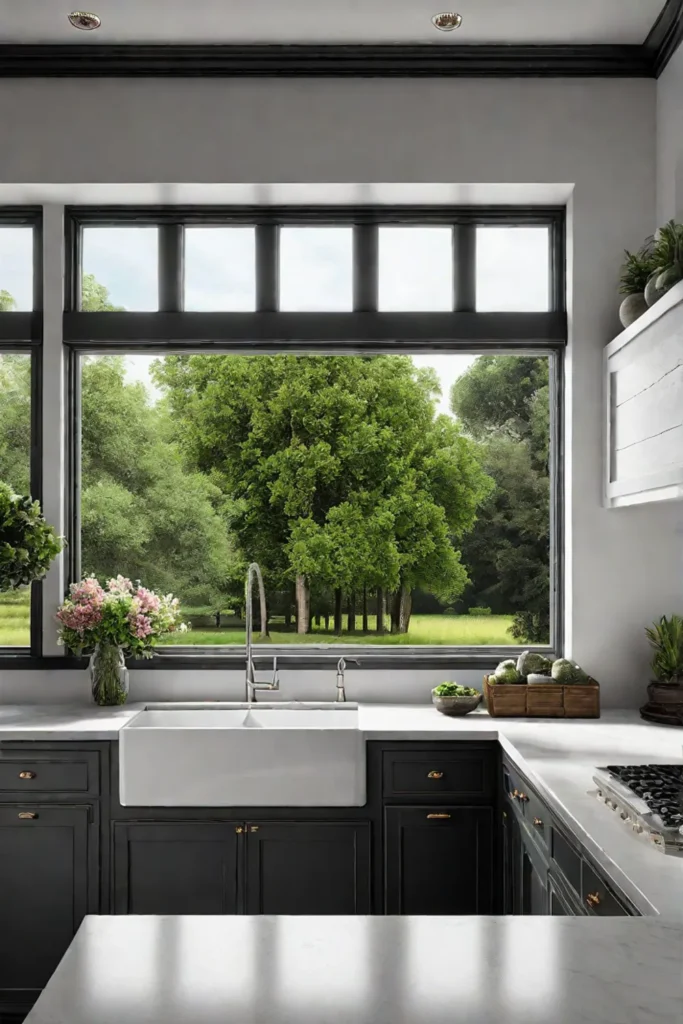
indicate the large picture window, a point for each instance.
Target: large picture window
{"x":388,"y":499}
{"x":362,"y":405}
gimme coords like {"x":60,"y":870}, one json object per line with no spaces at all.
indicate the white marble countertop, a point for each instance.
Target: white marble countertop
{"x":367,"y":970}
{"x":558,"y":757}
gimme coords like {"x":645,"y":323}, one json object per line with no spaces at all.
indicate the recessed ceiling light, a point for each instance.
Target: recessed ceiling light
{"x":447,"y":21}
{"x":84,"y":20}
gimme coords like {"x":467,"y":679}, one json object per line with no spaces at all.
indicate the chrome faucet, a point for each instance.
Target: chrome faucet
{"x":341,"y":669}
{"x":250,"y":684}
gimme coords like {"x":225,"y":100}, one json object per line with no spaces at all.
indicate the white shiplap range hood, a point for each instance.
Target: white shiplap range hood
{"x":644,"y":407}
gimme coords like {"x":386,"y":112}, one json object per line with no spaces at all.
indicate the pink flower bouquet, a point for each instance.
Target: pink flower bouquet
{"x":122,"y":614}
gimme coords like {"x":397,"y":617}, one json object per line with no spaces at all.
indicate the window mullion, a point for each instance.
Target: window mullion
{"x":267,"y":268}
{"x":171,"y":268}
{"x":464,"y":267}
{"x":365,"y":263}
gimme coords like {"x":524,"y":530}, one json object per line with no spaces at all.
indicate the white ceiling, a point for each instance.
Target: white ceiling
{"x":331,"y":21}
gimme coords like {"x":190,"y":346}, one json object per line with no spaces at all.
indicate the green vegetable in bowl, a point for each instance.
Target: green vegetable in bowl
{"x":454,"y":690}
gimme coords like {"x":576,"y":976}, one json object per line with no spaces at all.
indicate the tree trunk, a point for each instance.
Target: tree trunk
{"x":337,"y":611}
{"x":351,"y":619}
{"x":380,"y":611}
{"x":401,"y":603}
{"x":218,"y":619}
{"x":288,"y":616}
{"x":327,"y":622}
{"x":365,"y":609}
{"x":302,"y":598}
{"x":317,"y":619}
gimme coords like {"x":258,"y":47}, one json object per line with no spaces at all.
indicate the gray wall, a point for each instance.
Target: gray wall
{"x":670,"y":141}
{"x":595,"y":138}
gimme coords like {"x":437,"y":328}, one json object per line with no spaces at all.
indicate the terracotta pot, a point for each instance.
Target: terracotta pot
{"x":631,"y":308}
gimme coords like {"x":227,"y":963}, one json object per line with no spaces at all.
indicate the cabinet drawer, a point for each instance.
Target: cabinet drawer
{"x":567,"y":858}
{"x":469,"y":774}
{"x":537,"y":817}
{"x":49,"y":772}
{"x":597,"y":898}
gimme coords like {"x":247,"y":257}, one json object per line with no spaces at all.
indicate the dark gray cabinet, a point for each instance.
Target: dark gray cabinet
{"x":533,"y":880}
{"x":47,"y":886}
{"x":439,"y":860}
{"x":188,"y":867}
{"x":304,"y":867}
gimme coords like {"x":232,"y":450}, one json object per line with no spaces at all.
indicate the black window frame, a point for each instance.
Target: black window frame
{"x":363,"y":331}
{"x":21,"y":333}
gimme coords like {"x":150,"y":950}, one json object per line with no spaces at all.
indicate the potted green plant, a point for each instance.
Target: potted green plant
{"x":667,"y":255}
{"x":636,"y":271}
{"x":665,"y":692}
{"x":27,"y":543}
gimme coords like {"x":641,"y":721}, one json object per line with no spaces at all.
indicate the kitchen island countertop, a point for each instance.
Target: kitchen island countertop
{"x":367,"y":970}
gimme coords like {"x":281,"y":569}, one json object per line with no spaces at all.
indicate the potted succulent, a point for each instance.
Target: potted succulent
{"x":637,"y":269}
{"x":667,"y":256}
{"x":665,"y":692}
{"x":27,"y":543}
{"x":111,"y":622}
{"x":452,"y":699}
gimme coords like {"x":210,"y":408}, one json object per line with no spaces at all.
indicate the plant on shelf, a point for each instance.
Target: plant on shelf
{"x":28,"y":544}
{"x":665,"y":692}
{"x":666,"y":640}
{"x":636,"y":271}
{"x":111,"y":622}
{"x":667,"y":255}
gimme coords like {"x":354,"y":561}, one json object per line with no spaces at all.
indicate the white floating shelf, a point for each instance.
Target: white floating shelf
{"x":644,"y":407}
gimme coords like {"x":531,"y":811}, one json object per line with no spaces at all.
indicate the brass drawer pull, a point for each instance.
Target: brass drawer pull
{"x":27,"y":775}
{"x":238,"y":829}
{"x":28,"y":815}
{"x":538,"y":822}
{"x":438,"y":815}
{"x":254,"y":828}
{"x":435,"y":775}
{"x":593,"y":899}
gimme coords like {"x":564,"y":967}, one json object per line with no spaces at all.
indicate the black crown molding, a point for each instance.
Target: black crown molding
{"x":324,"y":61}
{"x":665,"y":36}
{"x":435,"y":60}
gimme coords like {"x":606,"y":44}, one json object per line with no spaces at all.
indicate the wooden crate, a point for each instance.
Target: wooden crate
{"x":552,"y":700}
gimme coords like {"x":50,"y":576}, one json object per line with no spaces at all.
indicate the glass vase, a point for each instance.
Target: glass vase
{"x":108,"y":675}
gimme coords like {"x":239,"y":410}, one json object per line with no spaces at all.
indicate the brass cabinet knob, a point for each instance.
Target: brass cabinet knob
{"x":435,"y":775}
{"x":515,"y":794}
{"x":538,"y":822}
{"x":593,"y":899}
{"x":27,"y":815}
{"x":27,"y":775}
{"x":524,"y":798}
{"x":238,"y":829}
{"x":438,"y":815}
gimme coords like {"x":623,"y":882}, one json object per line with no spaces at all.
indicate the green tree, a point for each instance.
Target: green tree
{"x":15,"y":421}
{"x":503,"y":402}
{"x":7,"y":302}
{"x":95,"y":296}
{"x":320,"y":455}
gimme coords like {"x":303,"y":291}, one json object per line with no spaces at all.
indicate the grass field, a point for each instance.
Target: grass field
{"x":14,"y":619}
{"x":466,"y":630}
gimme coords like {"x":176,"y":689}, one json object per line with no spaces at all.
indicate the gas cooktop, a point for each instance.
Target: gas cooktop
{"x":649,"y":798}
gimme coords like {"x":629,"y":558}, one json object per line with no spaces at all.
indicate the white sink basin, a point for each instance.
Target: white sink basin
{"x":240,"y":755}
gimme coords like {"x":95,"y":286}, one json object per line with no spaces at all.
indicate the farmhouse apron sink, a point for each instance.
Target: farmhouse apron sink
{"x":240,"y":755}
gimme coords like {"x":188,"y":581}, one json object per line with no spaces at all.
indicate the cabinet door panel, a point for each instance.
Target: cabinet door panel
{"x":45,"y":884}
{"x":180,"y":868}
{"x":439,"y":860}
{"x":308,"y":868}
{"x":534,"y":879}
